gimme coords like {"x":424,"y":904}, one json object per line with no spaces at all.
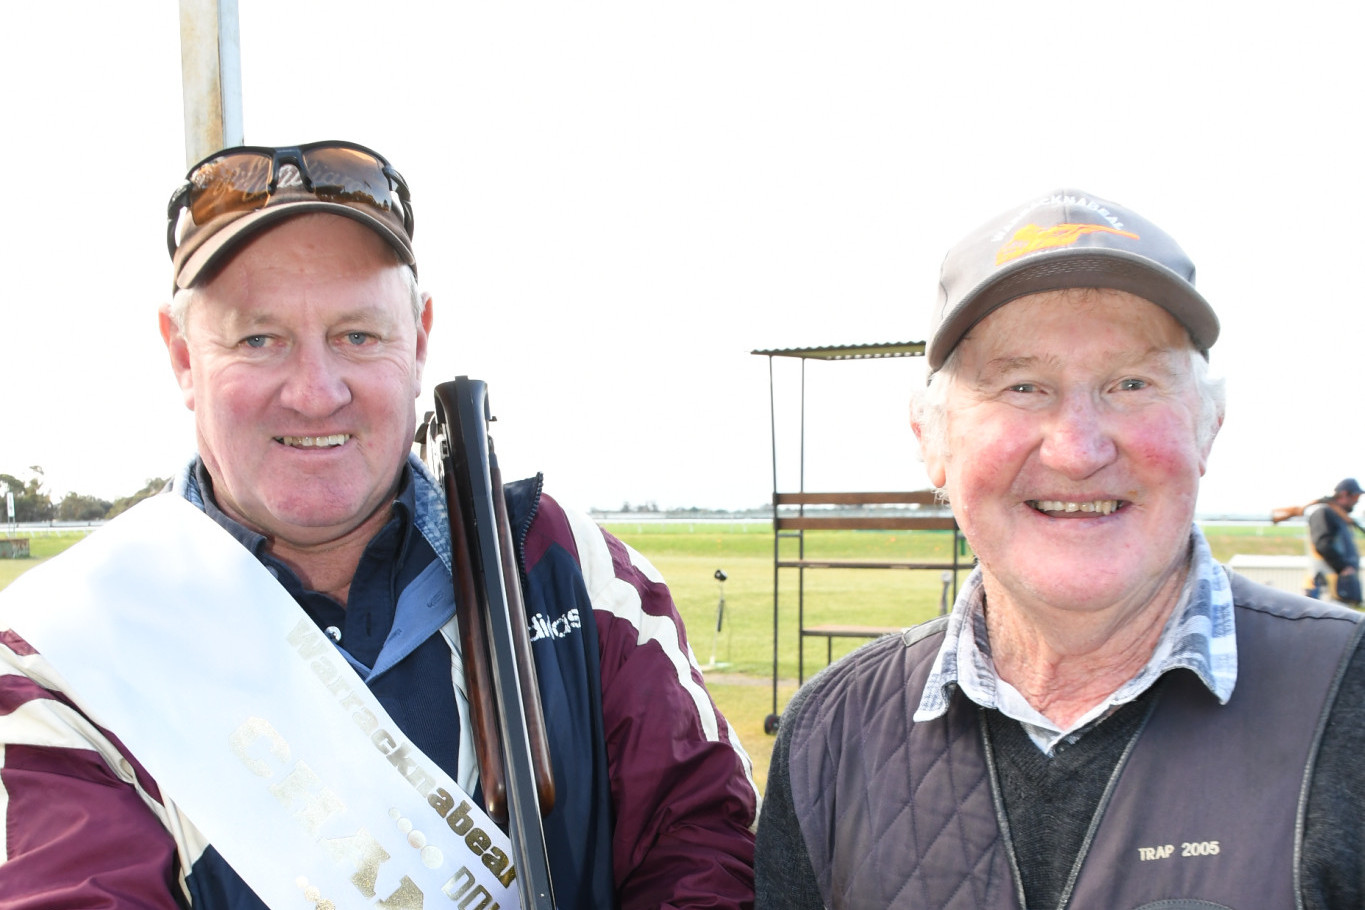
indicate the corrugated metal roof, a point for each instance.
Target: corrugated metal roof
{"x":851,"y":351}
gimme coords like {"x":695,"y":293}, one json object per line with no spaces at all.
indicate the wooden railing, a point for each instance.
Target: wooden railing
{"x":789,"y":525}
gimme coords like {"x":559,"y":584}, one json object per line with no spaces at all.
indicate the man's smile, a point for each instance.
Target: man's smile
{"x":313,"y":442}
{"x":1095,"y":506}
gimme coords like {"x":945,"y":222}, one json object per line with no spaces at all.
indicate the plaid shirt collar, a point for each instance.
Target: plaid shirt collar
{"x":1199,"y":637}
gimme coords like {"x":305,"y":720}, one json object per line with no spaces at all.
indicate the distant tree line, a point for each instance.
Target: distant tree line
{"x":32,"y":503}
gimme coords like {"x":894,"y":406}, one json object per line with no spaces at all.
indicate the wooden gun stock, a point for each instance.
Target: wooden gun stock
{"x":1285,"y":513}
{"x":504,"y":700}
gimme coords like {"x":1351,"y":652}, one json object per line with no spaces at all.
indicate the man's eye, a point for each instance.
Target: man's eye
{"x":1132,"y":385}
{"x":254,"y":341}
{"x":358,"y":338}
{"x":1022,"y":387}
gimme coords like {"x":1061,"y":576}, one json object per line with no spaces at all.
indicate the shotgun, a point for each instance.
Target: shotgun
{"x":1287,"y":512}
{"x":504,"y":700}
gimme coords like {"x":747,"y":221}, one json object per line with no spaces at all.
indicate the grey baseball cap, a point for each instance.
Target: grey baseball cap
{"x":1064,"y":239}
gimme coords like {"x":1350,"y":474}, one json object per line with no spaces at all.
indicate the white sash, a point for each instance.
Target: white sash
{"x":176,"y":638}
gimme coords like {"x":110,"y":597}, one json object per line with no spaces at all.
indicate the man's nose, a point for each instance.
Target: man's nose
{"x":1077,"y":441}
{"x":316,"y":384}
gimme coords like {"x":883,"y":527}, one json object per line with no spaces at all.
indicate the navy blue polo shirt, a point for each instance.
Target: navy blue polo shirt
{"x":418,"y":690}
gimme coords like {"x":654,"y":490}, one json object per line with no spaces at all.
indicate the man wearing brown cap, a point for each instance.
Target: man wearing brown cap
{"x":250,"y":692}
{"x":1108,"y":717}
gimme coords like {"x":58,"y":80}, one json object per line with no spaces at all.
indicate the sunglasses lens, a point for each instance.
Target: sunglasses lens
{"x":232,"y":183}
{"x":348,"y":175}
{"x":240,"y":181}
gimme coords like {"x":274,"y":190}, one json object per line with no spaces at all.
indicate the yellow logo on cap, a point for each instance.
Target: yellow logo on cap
{"x":1030,"y":239}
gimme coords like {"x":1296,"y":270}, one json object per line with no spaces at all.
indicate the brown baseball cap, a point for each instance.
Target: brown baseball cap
{"x":235,"y":193}
{"x":1064,"y":239}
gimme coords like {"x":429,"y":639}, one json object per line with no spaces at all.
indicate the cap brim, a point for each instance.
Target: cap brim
{"x":1082,"y":268}
{"x":192,"y":265}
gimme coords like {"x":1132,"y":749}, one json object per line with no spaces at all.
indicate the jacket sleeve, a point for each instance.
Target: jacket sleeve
{"x":1324,"y":526}
{"x":784,"y":878}
{"x":79,"y":828}
{"x":682,"y":786}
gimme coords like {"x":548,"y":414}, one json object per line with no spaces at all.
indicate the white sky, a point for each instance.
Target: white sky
{"x":616,"y":202}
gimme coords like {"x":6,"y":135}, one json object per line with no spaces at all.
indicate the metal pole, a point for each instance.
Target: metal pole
{"x":770,"y":723}
{"x":801,"y":547}
{"x":211,"y":76}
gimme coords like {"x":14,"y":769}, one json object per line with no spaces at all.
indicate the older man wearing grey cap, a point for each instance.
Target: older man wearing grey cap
{"x":250,"y":691}
{"x":1108,"y":717}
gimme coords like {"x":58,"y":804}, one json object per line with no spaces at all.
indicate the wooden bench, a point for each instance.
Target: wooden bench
{"x":789,"y":525}
{"x":831,"y":632}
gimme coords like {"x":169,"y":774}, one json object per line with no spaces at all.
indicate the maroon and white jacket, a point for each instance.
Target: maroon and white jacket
{"x":655,"y":807}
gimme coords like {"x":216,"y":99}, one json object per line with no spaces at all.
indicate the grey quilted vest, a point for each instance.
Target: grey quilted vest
{"x":1205,"y":810}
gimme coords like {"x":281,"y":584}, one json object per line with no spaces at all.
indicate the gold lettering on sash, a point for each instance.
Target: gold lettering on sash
{"x":249,"y":734}
{"x":463,"y":888}
{"x":459,"y":820}
{"x":363,"y":852}
{"x":309,"y":645}
{"x":500,"y":865}
{"x":441,"y":801}
{"x":305,"y":796}
{"x":478,"y":841}
{"x":407,"y":897}
{"x":314,"y":804}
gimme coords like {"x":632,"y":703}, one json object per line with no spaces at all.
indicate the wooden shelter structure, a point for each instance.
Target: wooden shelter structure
{"x":796,"y":512}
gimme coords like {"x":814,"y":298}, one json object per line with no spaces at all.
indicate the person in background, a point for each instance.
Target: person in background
{"x":1107,"y":717}
{"x":1331,"y":537}
{"x":298,"y":336}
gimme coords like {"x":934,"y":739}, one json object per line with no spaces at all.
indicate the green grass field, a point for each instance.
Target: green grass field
{"x":688,"y":555}
{"x":41,"y":547}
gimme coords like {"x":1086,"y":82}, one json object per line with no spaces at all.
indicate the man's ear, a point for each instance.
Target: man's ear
{"x":423,"y":332}
{"x":930,"y":450}
{"x":1208,"y":446}
{"x":179,"y":349}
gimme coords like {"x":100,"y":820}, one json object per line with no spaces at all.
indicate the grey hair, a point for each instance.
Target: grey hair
{"x":180,"y":303}
{"x":929,"y":404}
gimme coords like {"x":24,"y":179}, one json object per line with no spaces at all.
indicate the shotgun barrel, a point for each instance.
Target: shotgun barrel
{"x":504,"y":701}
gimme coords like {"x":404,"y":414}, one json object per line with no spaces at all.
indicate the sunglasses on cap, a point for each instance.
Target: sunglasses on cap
{"x":241,"y":180}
